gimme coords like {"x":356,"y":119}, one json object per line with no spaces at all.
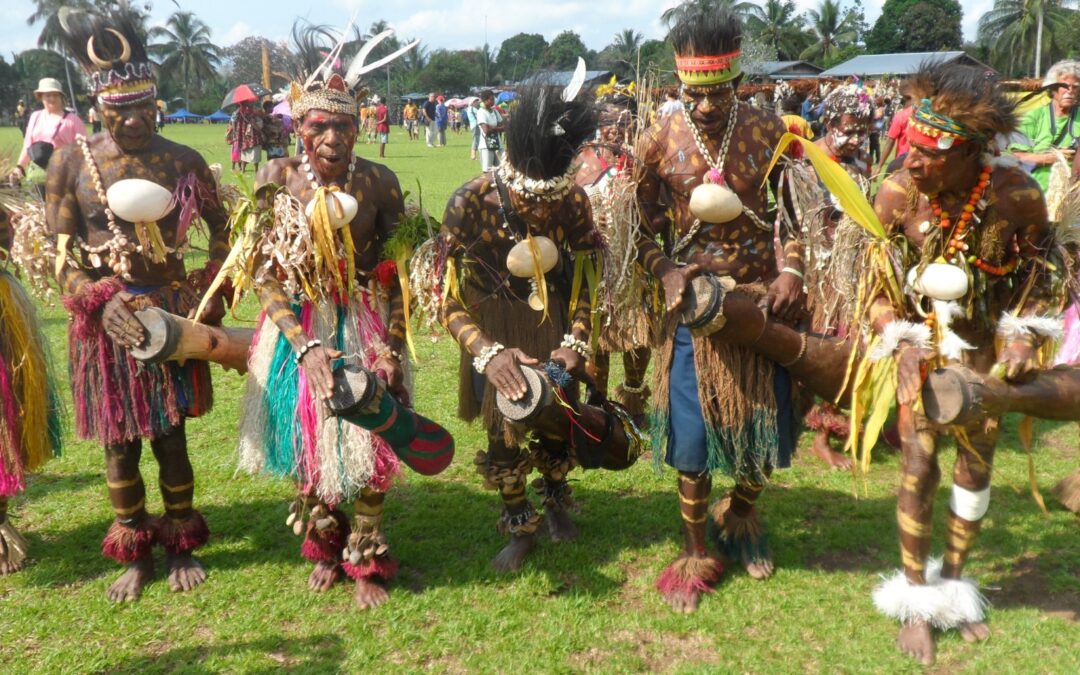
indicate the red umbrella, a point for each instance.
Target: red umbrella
{"x":245,"y":93}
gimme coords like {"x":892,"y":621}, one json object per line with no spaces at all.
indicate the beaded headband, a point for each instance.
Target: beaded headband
{"x":705,"y":70}
{"x":131,"y":84}
{"x":932,"y":129}
{"x":331,"y":96}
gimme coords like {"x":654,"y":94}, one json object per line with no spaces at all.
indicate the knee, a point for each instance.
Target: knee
{"x":922,"y":467}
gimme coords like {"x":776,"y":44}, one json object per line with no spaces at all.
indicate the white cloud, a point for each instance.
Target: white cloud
{"x":237,"y":32}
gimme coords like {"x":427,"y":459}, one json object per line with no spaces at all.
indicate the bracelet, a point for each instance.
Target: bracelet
{"x":629,"y":389}
{"x":579,"y":346}
{"x":792,"y":270}
{"x":299,"y":356}
{"x":480,"y":363}
{"x":798,"y":357}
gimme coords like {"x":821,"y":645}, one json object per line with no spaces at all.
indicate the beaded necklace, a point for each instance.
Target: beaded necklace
{"x":715,"y":174}
{"x":956,"y":245}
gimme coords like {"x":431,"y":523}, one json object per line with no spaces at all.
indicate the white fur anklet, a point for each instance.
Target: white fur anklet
{"x":943,"y":603}
{"x":895,"y":332}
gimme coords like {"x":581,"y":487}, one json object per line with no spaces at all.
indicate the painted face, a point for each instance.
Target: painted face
{"x":131,"y":126}
{"x":934,"y":170}
{"x":848,"y":135}
{"x":614,"y":121}
{"x":708,"y":106}
{"x":1066,"y":96}
{"x":329,"y":139}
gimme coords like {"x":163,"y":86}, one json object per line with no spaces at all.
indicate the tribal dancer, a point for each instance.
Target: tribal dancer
{"x":974,"y":234}
{"x":717,"y":407}
{"x":120,"y":205}
{"x":29,"y":407}
{"x":848,"y":113}
{"x":624,"y":299}
{"x":527,"y":213}
{"x":325,"y":295}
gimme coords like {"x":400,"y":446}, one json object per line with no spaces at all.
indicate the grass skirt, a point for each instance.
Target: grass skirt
{"x":286,"y":431}
{"x":29,"y":406}
{"x":120,"y":399}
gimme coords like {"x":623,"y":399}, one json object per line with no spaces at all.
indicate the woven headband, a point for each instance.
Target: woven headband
{"x":705,"y":70}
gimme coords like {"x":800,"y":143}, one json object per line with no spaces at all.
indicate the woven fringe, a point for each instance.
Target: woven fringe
{"x":326,"y":545}
{"x":119,"y":399}
{"x":741,"y":539}
{"x":182,"y":536}
{"x":383,"y":568}
{"x":126,"y":544}
{"x":30,"y":410}
{"x":1067,"y":491}
{"x":689,"y":575}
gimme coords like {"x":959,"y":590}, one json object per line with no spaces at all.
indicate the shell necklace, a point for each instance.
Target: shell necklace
{"x":530,"y":258}
{"x":316,"y":180}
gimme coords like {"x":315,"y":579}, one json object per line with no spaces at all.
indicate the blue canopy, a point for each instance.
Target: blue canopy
{"x":505,"y":96}
{"x":219,"y":116}
{"x":183,"y":115}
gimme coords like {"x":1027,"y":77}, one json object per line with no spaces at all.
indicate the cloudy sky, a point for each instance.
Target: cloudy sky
{"x":454,"y":24}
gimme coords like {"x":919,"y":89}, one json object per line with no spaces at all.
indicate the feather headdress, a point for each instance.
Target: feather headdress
{"x":958,"y":103}
{"x":111,"y":51}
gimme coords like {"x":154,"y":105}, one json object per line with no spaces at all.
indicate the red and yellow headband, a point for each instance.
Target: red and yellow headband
{"x":706,"y":70}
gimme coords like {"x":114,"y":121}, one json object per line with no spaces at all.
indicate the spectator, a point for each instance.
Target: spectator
{"x":811,"y":109}
{"x":246,"y":134}
{"x":490,"y":122}
{"x":1053,"y":128}
{"x":793,"y":122}
{"x":95,"y":123}
{"x":671,"y":103}
{"x":896,"y":136}
{"x":411,"y":113}
{"x":50,"y":128}
{"x":442,"y":119}
{"x":470,"y":112}
{"x":21,"y":114}
{"x":382,"y":125}
{"x":429,"y":119}
{"x":876,"y":127}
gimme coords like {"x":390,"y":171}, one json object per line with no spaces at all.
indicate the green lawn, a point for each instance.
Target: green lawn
{"x":584,"y":606}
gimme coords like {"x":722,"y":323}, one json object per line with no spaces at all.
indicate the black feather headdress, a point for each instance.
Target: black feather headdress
{"x":110,"y":48}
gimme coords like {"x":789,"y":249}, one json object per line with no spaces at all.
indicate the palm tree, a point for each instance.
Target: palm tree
{"x":186,"y":48}
{"x":51,"y":33}
{"x":672,"y":16}
{"x":1016,"y":30}
{"x":778,"y":26}
{"x":832,"y":30}
{"x":487,"y":57}
{"x":625,"y":46}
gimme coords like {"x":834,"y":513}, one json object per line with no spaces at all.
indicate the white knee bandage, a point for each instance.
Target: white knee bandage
{"x":969,"y":505}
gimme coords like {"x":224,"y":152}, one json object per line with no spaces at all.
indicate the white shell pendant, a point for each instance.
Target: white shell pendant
{"x":520,"y":258}
{"x":713,"y":201}
{"x":341,"y":208}
{"x":139,"y":201}
{"x":939,"y":281}
{"x":535,"y":301}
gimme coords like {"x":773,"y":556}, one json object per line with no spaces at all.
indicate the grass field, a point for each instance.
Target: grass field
{"x":582,"y":606}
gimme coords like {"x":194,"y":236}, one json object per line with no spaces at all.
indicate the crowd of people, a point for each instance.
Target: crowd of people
{"x":757,"y":259}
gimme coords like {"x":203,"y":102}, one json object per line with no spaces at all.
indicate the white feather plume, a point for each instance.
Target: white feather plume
{"x":1012,"y":327}
{"x":571,"y":91}
{"x":357,"y":67}
{"x":917,"y":334}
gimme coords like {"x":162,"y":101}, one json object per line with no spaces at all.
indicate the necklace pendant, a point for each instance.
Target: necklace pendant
{"x":715,"y":177}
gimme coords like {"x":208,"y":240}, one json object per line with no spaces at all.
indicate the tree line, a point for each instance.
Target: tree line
{"x":1017,"y":37}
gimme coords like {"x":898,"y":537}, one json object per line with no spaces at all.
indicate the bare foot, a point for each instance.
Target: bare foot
{"x":559,"y":524}
{"x":10,"y":567}
{"x":759,"y":569}
{"x":683,"y":601}
{"x":917,"y":641}
{"x":974,"y":632}
{"x":513,"y":555}
{"x":325,"y":575}
{"x":370,"y":592}
{"x":130,"y":584}
{"x":824,"y":452}
{"x":185,"y":572}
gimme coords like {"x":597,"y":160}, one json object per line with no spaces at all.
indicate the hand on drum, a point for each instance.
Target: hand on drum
{"x":574,"y":364}
{"x":909,"y":373}
{"x":119,"y":322}
{"x":1019,"y":359}
{"x":320,"y":374}
{"x":504,"y":372}
{"x":786,"y":299}
{"x":675,"y":281}
{"x":389,"y":369}
{"x":212,"y":314}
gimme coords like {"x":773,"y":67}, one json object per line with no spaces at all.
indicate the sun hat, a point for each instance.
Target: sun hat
{"x":46,"y":85}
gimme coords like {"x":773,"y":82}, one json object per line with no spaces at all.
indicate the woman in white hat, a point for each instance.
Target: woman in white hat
{"x":50,"y":128}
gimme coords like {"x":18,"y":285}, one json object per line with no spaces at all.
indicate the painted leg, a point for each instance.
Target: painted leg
{"x":695,"y":571}
{"x":182,"y":529}
{"x":554,"y":461}
{"x":506,"y":470}
{"x":740,"y":531}
{"x":13,"y":548}
{"x":130,"y":539}
{"x":369,"y":561}
{"x":634,"y":393}
{"x":969,"y":502}
{"x":325,"y":535}
{"x":1067,"y":492}
{"x":601,"y":371}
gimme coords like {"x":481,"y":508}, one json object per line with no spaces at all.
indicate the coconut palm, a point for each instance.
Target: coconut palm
{"x":778,"y":26}
{"x":1020,"y":32}
{"x":832,"y":28}
{"x":672,"y":16}
{"x":186,"y":49}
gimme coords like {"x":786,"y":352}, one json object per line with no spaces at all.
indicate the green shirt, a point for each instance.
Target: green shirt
{"x":1038,"y":126}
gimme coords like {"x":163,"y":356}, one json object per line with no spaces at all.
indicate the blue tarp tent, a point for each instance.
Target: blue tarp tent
{"x":504,"y":96}
{"x":219,"y":116}
{"x":184,"y":115}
